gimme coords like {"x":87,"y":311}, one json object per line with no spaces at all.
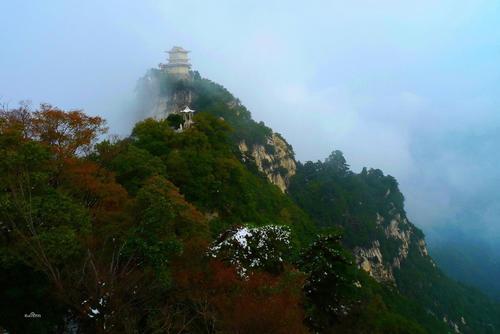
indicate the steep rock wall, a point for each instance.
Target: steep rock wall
{"x":380,"y":264}
{"x":275,"y":160}
{"x":158,"y":100}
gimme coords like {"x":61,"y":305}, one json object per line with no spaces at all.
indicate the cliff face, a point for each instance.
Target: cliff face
{"x":369,"y":208}
{"x":161,"y":94}
{"x":275,"y":159}
{"x":373,"y":262}
{"x":380,"y":263}
{"x":178,"y":100}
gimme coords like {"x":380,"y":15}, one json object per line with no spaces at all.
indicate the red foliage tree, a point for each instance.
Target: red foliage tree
{"x":261,"y":303}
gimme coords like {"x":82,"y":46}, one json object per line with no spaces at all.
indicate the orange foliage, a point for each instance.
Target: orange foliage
{"x":66,"y":132}
{"x":191,"y":224}
{"x":262,"y":303}
{"x":93,"y":184}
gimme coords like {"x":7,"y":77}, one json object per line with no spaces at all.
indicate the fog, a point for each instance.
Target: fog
{"x":411,"y":88}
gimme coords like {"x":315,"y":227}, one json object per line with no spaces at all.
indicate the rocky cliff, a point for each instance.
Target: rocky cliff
{"x":161,"y":94}
{"x":275,"y":159}
{"x":380,"y":263}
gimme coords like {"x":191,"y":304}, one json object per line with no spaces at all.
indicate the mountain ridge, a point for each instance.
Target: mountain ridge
{"x":395,"y":239}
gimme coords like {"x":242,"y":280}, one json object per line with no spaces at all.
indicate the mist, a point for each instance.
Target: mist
{"x":412,"y":89}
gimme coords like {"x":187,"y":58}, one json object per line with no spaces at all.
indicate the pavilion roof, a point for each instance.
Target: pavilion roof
{"x":187,"y":110}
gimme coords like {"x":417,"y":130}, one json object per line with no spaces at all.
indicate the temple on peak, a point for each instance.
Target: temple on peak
{"x":178,"y":63}
{"x":173,"y":98}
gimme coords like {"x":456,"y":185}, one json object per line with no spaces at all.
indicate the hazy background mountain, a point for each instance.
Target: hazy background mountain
{"x":409,"y":88}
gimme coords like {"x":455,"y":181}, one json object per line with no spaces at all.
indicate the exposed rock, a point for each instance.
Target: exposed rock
{"x":159,"y":108}
{"x":178,"y":100}
{"x":393,"y":231}
{"x":243,"y":148}
{"x":423,"y":247}
{"x":372,"y":261}
{"x":155,"y":104}
{"x":163,"y":106}
{"x":278,"y":166}
{"x":233,"y":104}
{"x":452,"y":324}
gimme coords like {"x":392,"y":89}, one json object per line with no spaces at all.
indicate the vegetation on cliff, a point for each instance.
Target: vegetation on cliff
{"x":369,"y":207}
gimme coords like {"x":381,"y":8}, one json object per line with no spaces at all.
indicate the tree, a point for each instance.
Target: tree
{"x":253,"y":248}
{"x":66,"y":132}
{"x":331,"y":287}
{"x":337,"y":162}
{"x":132,"y":165}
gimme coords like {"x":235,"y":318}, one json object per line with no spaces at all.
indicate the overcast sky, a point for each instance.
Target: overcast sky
{"x":410,"y":87}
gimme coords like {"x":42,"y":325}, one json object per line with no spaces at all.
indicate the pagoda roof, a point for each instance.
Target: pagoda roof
{"x":177,"y":49}
{"x":187,"y":110}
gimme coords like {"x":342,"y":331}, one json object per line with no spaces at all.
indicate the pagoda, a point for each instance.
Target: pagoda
{"x":178,"y":63}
